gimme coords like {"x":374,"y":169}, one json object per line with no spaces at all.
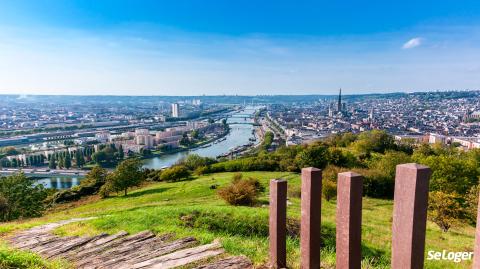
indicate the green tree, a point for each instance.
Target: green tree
{"x":96,"y":177}
{"x":52,"y":164}
{"x":67,"y":161}
{"x":313,"y":156}
{"x":372,"y":141}
{"x":61,"y":162}
{"x":195,"y":134}
{"x":193,"y":161}
{"x":127,"y":174}
{"x":387,"y":163}
{"x":121,"y":153}
{"x":99,"y":157}
{"x":79,"y":159}
{"x":20,"y":198}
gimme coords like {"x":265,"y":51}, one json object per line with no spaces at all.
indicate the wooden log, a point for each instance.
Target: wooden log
{"x":182,"y":257}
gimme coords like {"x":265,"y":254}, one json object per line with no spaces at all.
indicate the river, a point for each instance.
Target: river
{"x":240,"y":133}
{"x":241,"y":130}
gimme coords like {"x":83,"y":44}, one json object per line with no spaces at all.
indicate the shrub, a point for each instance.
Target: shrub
{"x":237,"y":177}
{"x":175,"y":173}
{"x":193,"y":161}
{"x":240,"y":192}
{"x":201,"y":170}
{"x":92,"y":183}
{"x":376,"y":184}
{"x":444,"y":209}
{"x":294,"y":192}
{"x":329,"y":189}
{"x":471,"y":202}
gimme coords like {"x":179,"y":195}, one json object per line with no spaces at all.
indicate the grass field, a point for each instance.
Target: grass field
{"x":192,"y":208}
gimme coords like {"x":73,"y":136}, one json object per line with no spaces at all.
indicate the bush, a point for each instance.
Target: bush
{"x":444,"y":209}
{"x":20,"y":198}
{"x":376,"y":184}
{"x":201,"y":170}
{"x":294,"y":192}
{"x":92,"y":183}
{"x":471,"y":202}
{"x":329,"y":189}
{"x":175,"y":173}
{"x":194,"y":161}
{"x":241,"y":192}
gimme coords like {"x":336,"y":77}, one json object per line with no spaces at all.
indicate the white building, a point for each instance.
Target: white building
{"x":102,"y":137}
{"x":175,"y":110}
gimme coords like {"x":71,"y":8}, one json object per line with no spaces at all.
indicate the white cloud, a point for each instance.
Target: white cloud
{"x":412,"y":43}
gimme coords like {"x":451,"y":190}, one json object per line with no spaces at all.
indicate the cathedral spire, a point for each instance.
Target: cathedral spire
{"x":339,"y":104}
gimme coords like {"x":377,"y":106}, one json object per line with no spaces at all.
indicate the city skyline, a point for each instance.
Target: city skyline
{"x":192,"y":48}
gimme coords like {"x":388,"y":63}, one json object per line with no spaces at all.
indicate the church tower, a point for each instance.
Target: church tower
{"x":339,"y":104}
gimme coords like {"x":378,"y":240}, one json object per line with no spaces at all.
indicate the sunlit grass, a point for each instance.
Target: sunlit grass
{"x":159,"y":206}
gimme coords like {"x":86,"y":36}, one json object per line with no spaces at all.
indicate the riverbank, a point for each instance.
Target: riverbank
{"x":184,"y":149}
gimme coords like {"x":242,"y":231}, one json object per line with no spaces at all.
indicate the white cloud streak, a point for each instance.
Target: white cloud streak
{"x":412,"y":43}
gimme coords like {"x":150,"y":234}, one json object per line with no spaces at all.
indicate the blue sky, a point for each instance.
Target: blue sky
{"x":237,"y":47}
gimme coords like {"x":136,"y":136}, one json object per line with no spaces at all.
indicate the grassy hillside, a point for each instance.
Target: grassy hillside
{"x":192,"y":208}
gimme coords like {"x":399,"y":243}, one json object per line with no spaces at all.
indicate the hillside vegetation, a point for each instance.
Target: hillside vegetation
{"x":193,"y":208}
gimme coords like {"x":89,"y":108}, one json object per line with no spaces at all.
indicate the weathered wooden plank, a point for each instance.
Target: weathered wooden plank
{"x":69,"y":246}
{"x":34,"y":242}
{"x":94,"y":257}
{"x":100,"y":245}
{"x":182,"y":257}
{"x":47,"y":249}
{"x":151,"y":251}
{"x":236,"y":262}
{"x":73,"y":251}
{"x":119,"y":254}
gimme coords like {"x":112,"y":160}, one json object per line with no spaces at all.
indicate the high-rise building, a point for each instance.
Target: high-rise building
{"x":339,"y":104}
{"x":175,"y":110}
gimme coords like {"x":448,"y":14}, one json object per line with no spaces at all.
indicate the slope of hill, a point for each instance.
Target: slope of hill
{"x":192,"y":208}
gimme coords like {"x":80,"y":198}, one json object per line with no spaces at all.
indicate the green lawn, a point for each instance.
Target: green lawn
{"x":242,"y":230}
{"x":11,"y":258}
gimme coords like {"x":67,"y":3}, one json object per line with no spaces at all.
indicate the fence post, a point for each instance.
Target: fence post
{"x":349,"y":220}
{"x":410,"y":216}
{"x":311,"y":202}
{"x":278,"y":223}
{"x":476,"y":254}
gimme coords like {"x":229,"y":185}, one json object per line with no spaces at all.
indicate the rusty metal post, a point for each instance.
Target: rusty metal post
{"x":278,"y":223}
{"x":349,"y":220}
{"x":476,"y":254}
{"x":410,"y":216}
{"x":311,"y":218}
